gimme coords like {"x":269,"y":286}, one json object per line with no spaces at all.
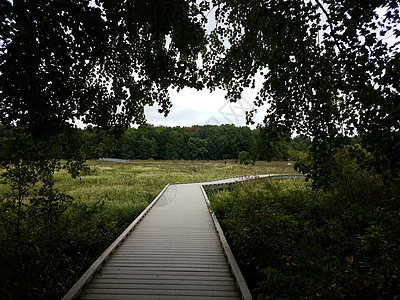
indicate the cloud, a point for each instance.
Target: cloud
{"x":192,"y":107}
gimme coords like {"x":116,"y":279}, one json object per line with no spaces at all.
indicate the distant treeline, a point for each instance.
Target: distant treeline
{"x":197,"y":142}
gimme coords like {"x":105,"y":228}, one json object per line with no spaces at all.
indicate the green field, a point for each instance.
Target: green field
{"x":127,"y":183}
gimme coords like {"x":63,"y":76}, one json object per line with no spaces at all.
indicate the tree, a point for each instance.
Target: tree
{"x":197,"y":148}
{"x":244,"y":158}
{"x":61,"y":60}
{"x":328,"y":68}
{"x":98,"y":61}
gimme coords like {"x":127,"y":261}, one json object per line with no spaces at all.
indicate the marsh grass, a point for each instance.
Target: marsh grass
{"x":141,"y":181}
{"x":132,"y":186}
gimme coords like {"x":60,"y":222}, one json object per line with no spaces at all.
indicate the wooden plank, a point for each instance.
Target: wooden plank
{"x":77,"y":287}
{"x":181,"y":277}
{"x":151,"y":297}
{"x":154,"y":255}
{"x":176,"y":292}
{"x":162,"y":286}
{"x":171,"y":250}
{"x":166,"y":262}
{"x":165,"y":272}
{"x":190,"y":257}
{"x":178,"y":249}
{"x":183,"y":280}
{"x":170,"y":266}
{"x":161,"y":268}
{"x":161,"y":255}
{"x":175,"y":245}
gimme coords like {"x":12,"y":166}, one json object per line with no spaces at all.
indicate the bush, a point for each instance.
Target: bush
{"x":55,"y":244}
{"x":293,"y":242}
{"x":245,"y":158}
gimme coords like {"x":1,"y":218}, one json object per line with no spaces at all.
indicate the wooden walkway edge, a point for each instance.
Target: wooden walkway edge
{"x":237,"y":274}
{"x":76,"y":289}
{"x":175,"y":249}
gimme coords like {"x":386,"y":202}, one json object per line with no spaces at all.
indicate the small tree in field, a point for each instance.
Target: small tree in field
{"x":246,"y":158}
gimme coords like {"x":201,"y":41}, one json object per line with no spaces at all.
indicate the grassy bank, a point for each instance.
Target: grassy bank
{"x":294,"y":243}
{"x":57,"y":241}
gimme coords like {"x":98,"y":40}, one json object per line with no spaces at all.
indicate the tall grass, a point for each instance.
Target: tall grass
{"x":122,"y":184}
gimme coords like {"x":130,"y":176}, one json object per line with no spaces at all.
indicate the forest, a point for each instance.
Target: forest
{"x":208,"y":142}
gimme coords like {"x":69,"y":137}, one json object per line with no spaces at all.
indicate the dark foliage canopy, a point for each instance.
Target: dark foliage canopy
{"x":330,"y":70}
{"x":101,"y":62}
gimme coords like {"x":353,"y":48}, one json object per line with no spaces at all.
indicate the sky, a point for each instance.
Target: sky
{"x":192,"y":107}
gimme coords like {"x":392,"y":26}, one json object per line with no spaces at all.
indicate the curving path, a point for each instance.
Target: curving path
{"x":174,"y":250}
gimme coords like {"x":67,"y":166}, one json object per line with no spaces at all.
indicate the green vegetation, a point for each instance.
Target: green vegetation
{"x":293,"y":242}
{"x":57,"y":237}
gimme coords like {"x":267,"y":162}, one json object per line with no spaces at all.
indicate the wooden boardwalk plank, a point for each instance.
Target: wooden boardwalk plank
{"x":173,"y":253}
{"x":161,"y":292}
{"x":164,"y":281}
{"x":217,"y":280}
{"x":151,"y":297}
{"x":177,"y":285}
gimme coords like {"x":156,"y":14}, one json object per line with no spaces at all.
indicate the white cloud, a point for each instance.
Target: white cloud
{"x":192,"y":107}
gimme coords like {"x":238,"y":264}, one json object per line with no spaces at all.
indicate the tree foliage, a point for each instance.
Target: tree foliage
{"x":329,"y":71}
{"x":66,"y":60}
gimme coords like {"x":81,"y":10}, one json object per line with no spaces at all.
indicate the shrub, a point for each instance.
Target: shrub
{"x":56,"y":242}
{"x":245,"y":158}
{"x":293,"y":242}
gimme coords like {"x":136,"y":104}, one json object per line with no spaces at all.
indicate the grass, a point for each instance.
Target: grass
{"x":118,"y":183}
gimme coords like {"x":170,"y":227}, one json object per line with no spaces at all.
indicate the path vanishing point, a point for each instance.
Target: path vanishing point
{"x":175,"y":249}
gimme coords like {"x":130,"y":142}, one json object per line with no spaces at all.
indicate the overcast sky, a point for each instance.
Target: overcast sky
{"x":191,"y":107}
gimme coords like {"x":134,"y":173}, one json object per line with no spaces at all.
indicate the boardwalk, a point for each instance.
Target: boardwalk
{"x":175,"y":252}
